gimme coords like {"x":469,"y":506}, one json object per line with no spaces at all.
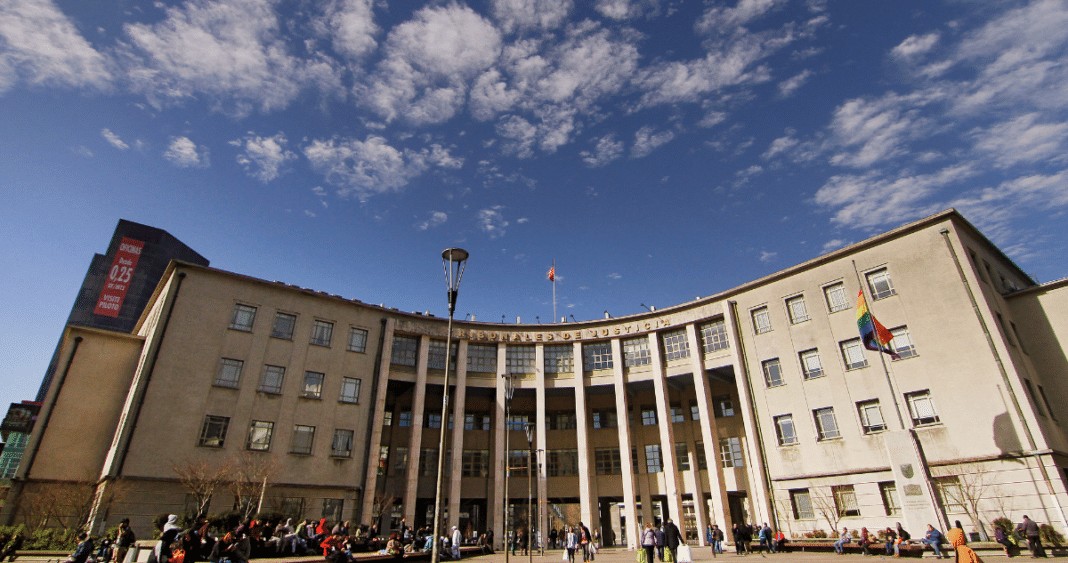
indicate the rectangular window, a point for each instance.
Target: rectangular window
{"x":213,"y":433}
{"x":519,"y":359}
{"x":559,"y":358}
{"x":482,"y":358}
{"x":400,"y":461}
{"x":561,"y":420}
{"x":313,"y":385}
{"x":518,"y":460}
{"x":596,"y":355}
{"x":845,"y":500}
{"x":404,"y":420}
{"x":636,"y":352}
{"x":634,"y":460}
{"x":229,"y":374}
{"x":405,"y":350}
{"x":516,"y":422}
{"x":975,"y":264}
{"x":802,"y":504}
{"x":1001,"y":326}
{"x":676,"y":345}
{"x":714,"y":336}
{"x":888,"y":491}
{"x":605,"y":418}
{"x":826,"y":425}
{"x":562,"y":463}
{"x":428,"y":462}
{"x":772,"y":372}
{"x":608,"y":461}
{"x":475,"y":463}
{"x":322,"y":332}
{"x":383,"y":459}
{"x":1034,"y":397}
{"x":387,"y":419}
{"x":784,"y":430}
{"x":244,"y":316}
{"x":342,"y":444}
{"x":682,"y":455}
{"x":1017,"y":335}
{"x":436,"y":355}
{"x":836,"y":297}
{"x":853,"y":354}
{"x":259,"y":435}
{"x":648,"y":416}
{"x":676,"y":413}
{"x":291,"y":507}
{"x":761,"y":320}
{"x":724,"y":407}
{"x":284,"y":324}
{"x":796,"y":307}
{"x":811,"y":367}
{"x":871,"y":416}
{"x":357,"y":340}
{"x":1045,"y":401}
{"x":652,"y":459}
{"x":695,"y":410}
{"x":699,"y":450}
{"x":303,"y":439}
{"x":950,"y":493}
{"x":271,"y":380}
{"x":730,"y":452}
{"x":902,"y":342}
{"x":333,"y":509}
{"x":433,"y":420}
{"x":879,"y":284}
{"x":350,"y":390}
{"x":921,"y":408}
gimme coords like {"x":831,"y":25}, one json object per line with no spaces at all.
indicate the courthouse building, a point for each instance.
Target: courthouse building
{"x":757,"y":404}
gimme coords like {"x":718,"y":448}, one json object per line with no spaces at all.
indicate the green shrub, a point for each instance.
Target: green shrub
{"x":225,"y":522}
{"x":48,"y":539}
{"x":1050,"y":536}
{"x":269,"y":518}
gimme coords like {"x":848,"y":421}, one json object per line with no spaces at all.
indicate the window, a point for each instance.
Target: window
{"x":607,"y":461}
{"x":516,"y":422}
{"x":561,"y":420}
{"x":652,"y":459}
{"x":519,"y":359}
{"x":802,"y":504}
{"x":853,"y":354}
{"x":695,"y":410}
{"x":605,"y":419}
{"x":404,"y":419}
{"x":562,"y":463}
{"x":682,"y":454}
{"x":271,"y":380}
{"x":283,"y":326}
{"x":1034,"y":397}
{"x":333,"y":509}
{"x":303,"y":438}
{"x":357,"y":340}
{"x":676,"y":413}
{"x":596,"y":355}
{"x":730,"y":452}
{"x":634,"y":459}
{"x":772,"y":372}
{"x":796,"y":307}
{"x":405,"y":349}
{"x":826,"y":425}
{"x":259,"y":435}
{"x":950,"y":493}
{"x":322,"y":332}
{"x":383,"y":459}
{"x":213,"y":433}
{"x":811,"y":368}
{"x":648,"y":416}
{"x":699,"y":451}
{"x":387,"y":418}
{"x":871,"y":417}
{"x":1045,"y":401}
{"x":244,"y":316}
{"x":836,"y":297}
{"x":784,"y":430}
{"x":888,"y":491}
{"x":475,"y":463}
{"x":676,"y":346}
{"x":229,"y":374}
{"x":400,"y":461}
{"x":428,"y":462}
{"x":975,"y":264}
{"x":902,"y":343}
{"x":921,"y":408}
{"x":433,"y":420}
{"x":714,"y":336}
{"x":291,"y":507}
{"x":342,"y":444}
{"x":845,"y":500}
{"x":350,"y":390}
{"x":879,"y":284}
{"x":761,"y":320}
{"x":636,"y":352}
{"x":559,"y":358}
{"x":1001,"y":326}
{"x":724,"y":407}
{"x":518,"y":459}
{"x":482,"y":358}
{"x":1017,"y":335}
{"x":436,"y":355}
{"x":313,"y":385}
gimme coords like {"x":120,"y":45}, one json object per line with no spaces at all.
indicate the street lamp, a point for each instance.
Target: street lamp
{"x":509,"y":391}
{"x":454,"y":260}
{"x":530,"y":491}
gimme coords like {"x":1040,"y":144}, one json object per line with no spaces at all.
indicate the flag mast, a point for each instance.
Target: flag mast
{"x":882,"y":360}
{"x":552,"y":277}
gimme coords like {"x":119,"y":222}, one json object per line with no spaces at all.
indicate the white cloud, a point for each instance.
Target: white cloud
{"x":1024,"y":140}
{"x":309,"y":213}
{"x":790,"y":85}
{"x":436,"y":218}
{"x":767,"y":257}
{"x":915,"y":46}
{"x":721,"y":19}
{"x":871,"y":131}
{"x":522,"y":220}
{"x":363,"y":168}
{"x":627,"y":9}
{"x":184,"y":153}
{"x":114,"y":139}
{"x":833,"y":244}
{"x":531,"y":14}
{"x":264,"y":156}
{"x":614,"y":276}
{"x":351,"y":25}
{"x":39,"y":45}
{"x":492,"y":222}
{"x":645,"y":141}
{"x":440,"y":156}
{"x":606,"y":150}
{"x":781,"y":145}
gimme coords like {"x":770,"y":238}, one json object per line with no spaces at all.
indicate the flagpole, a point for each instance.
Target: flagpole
{"x":554,"y":290}
{"x":882,"y":360}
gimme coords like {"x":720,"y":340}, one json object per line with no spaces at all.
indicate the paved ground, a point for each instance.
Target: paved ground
{"x":704,"y":554}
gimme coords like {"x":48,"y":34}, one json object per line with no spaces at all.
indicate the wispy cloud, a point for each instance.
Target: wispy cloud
{"x":114,"y":139}
{"x":263,"y":157}
{"x":645,"y":141}
{"x":184,"y":153}
{"x":437,"y":218}
{"x":492,"y":222}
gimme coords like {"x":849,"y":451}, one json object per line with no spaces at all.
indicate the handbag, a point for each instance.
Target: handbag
{"x":684,"y":555}
{"x":564,"y":556}
{"x":643,"y":557}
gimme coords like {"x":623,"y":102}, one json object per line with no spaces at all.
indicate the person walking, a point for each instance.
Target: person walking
{"x":457,"y":539}
{"x":717,"y":540}
{"x":648,"y":542}
{"x":1034,"y":541}
{"x":672,"y":539}
{"x":570,"y":543}
{"x":933,"y":538}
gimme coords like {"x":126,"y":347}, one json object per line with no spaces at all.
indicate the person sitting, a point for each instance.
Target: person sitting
{"x":83,"y":551}
{"x":934,"y":539}
{"x":843,"y":540}
{"x":890,"y":537}
{"x":334,"y":549}
{"x":903,"y":538}
{"x":865,"y":541}
{"x":1002,"y":538}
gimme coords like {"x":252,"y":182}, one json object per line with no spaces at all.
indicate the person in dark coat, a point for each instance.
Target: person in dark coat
{"x":672,"y":538}
{"x":83,"y":551}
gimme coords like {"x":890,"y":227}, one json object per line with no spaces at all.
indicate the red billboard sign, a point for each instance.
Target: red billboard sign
{"x":118,"y":280}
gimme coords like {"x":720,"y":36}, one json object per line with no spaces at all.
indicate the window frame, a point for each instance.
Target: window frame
{"x":714,"y":336}
{"x":322,"y":333}
{"x":825,"y":432}
{"x":357,"y":340}
{"x":835,"y":296}
{"x":226,"y":382}
{"x":302,"y":430}
{"x":404,"y":350}
{"x":676,"y":344}
{"x":903,"y":352}
{"x":279,"y":376}
{"x":559,"y":358}
{"x":801,"y":503}
{"x":482,"y":358}
{"x":915,"y":398}
{"x":278,"y":328}
{"x":845,"y":347}
{"x":796,"y":309}
{"x":864,"y":411}
{"x":761,"y":320}
{"x":259,"y":431}
{"x":351,"y":398}
{"x":874,"y":278}
{"x":342,"y":433}
{"x":654,"y":462}
{"x":636,"y":352}
{"x":308,"y":388}
{"x":213,"y":431}
{"x":730,"y":452}
{"x":807,"y":371}
{"x":240,"y":312}
{"x":597,"y":356}
{"x":772,"y":369}
{"x":781,"y":423}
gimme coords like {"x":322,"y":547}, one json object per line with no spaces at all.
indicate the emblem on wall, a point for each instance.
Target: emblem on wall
{"x":906,"y":470}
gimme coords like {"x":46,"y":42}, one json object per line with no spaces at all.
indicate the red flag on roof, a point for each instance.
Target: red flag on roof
{"x":552,"y":274}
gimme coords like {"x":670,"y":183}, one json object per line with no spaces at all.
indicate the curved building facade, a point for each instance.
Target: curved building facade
{"x":757,"y":404}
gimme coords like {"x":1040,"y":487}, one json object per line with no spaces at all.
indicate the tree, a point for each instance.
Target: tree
{"x":250,"y":473}
{"x":201,"y":479}
{"x":382,"y":502}
{"x":824,"y":504}
{"x":967,"y":488}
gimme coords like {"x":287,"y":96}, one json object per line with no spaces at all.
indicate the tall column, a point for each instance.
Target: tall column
{"x":542,"y":483}
{"x":582,"y":439}
{"x":630,"y":500}
{"x":458,"y":415}
{"x":415,"y":431}
{"x":370,"y":488}
{"x":500,"y":466}
{"x":710,"y":437}
{"x":667,"y":432}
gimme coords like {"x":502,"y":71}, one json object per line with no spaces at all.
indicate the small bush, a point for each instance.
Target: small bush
{"x":269,"y":518}
{"x":48,"y":539}
{"x":226,"y":521}
{"x":1050,"y":536}
{"x":816,"y":534}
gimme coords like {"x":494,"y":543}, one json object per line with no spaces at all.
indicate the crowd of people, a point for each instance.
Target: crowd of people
{"x":890,"y":540}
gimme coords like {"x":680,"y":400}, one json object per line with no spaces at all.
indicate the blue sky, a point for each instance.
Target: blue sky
{"x":658,"y":150}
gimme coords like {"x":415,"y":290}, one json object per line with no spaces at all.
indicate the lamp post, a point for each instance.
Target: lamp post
{"x":454,"y":260}
{"x":509,"y":390}
{"x":530,"y":491}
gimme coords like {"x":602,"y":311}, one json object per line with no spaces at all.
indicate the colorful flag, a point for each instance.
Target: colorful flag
{"x":552,"y":274}
{"x":875,"y":336}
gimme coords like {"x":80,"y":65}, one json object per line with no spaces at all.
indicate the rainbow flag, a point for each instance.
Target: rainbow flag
{"x":875,"y":336}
